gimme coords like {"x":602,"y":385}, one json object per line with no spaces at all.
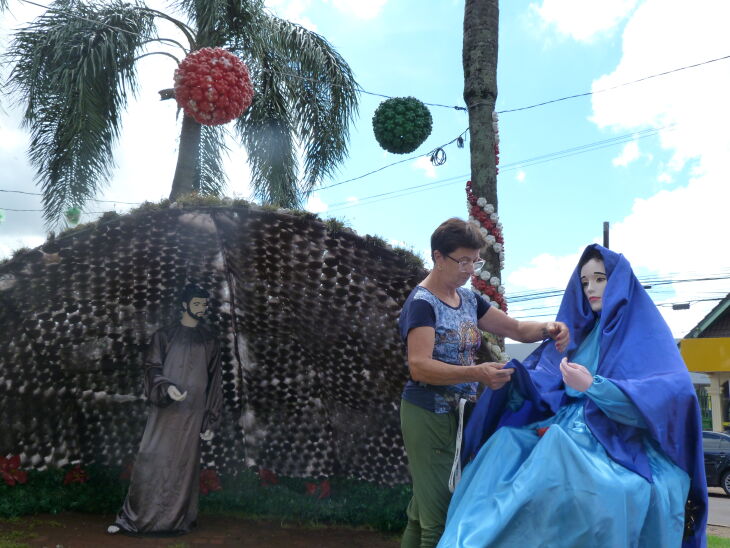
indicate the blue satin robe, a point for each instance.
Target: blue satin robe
{"x":562,"y":490}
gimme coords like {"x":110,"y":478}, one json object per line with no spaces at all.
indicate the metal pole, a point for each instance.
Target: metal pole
{"x":605,"y":234}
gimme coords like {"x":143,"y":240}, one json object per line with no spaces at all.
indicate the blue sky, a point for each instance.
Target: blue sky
{"x":664,"y":191}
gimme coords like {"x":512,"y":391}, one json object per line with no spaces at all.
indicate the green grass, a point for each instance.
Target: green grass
{"x":718,"y":542}
{"x":14,"y":538}
{"x":351,"y":503}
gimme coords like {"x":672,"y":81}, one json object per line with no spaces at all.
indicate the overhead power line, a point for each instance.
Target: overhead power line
{"x":395,"y":194}
{"x":434,"y":104}
{"x":587,"y":93}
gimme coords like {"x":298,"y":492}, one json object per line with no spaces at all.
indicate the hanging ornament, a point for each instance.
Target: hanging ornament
{"x":73,"y":215}
{"x":213,"y":86}
{"x":401,"y":124}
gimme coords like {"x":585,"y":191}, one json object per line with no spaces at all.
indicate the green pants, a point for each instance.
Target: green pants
{"x":429,"y":440}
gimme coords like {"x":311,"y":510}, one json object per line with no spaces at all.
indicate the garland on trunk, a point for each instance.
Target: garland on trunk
{"x":484,"y":215}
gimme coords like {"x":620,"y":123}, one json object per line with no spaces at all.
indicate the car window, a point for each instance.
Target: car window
{"x":725,"y":446}
{"x":710,"y":443}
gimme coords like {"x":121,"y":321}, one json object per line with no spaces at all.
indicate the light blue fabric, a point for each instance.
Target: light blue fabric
{"x":614,"y":403}
{"x":563,"y":490}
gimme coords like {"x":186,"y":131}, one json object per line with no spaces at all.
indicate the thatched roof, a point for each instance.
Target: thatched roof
{"x":306,"y":311}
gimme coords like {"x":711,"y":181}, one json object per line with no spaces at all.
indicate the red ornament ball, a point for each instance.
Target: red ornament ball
{"x":213,"y":86}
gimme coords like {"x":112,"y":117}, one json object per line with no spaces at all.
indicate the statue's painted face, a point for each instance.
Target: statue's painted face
{"x":197,"y":307}
{"x":593,"y":279}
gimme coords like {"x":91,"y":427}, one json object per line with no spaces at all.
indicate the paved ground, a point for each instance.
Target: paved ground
{"x":719,"y":511}
{"x":70,"y":530}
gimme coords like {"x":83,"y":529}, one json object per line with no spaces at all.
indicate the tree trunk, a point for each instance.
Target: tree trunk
{"x":479,"y":57}
{"x":187,"y":158}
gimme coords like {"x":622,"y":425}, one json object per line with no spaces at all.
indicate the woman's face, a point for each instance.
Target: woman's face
{"x":593,"y":279}
{"x":459,"y":264}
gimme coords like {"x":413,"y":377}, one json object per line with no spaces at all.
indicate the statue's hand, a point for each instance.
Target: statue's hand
{"x":175,"y":394}
{"x":575,"y":375}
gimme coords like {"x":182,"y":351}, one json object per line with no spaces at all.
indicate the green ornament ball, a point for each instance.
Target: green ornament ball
{"x":401,"y":124}
{"x":73,"y":215}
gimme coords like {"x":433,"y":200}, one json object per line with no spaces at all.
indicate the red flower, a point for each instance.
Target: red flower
{"x":267,"y":477}
{"x":126,"y":473}
{"x":10,"y":470}
{"x":76,"y":475}
{"x":209,"y":481}
{"x":541,"y":431}
{"x":324,"y":489}
{"x":213,"y":86}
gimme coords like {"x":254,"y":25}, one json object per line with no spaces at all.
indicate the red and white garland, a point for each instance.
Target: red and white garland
{"x":484,"y":215}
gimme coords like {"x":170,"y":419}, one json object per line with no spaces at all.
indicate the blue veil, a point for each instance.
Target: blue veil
{"x":639,"y":355}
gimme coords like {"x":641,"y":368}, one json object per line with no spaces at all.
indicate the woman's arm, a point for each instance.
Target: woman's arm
{"x":497,"y":322}
{"x":424,"y":368}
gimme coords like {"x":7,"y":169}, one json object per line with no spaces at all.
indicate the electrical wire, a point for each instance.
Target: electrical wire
{"x":440,"y":105}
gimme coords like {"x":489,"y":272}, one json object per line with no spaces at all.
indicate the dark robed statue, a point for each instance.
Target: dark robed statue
{"x":183,"y":386}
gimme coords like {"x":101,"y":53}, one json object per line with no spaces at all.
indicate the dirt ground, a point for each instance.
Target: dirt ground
{"x":71,"y":530}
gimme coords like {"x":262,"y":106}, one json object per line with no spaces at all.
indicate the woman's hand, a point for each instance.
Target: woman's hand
{"x":559,"y":332}
{"x":575,"y":375}
{"x":493,"y":374}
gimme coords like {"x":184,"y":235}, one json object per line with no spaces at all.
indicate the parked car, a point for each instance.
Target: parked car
{"x":717,"y":459}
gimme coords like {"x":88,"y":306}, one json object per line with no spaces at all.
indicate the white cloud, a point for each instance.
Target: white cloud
{"x":315,"y":204}
{"x":681,"y":229}
{"x":9,"y":244}
{"x":362,"y":9}
{"x":629,"y":153}
{"x":296,"y":10}
{"x":521,"y":176}
{"x":583,"y":20}
{"x":544,"y":271}
{"x":424,"y":163}
{"x":293,"y":10}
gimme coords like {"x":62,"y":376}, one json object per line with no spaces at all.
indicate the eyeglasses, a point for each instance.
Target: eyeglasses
{"x":466,"y":265}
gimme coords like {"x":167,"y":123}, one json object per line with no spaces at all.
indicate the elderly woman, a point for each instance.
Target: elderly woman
{"x":600,"y":448}
{"x":440,"y":324}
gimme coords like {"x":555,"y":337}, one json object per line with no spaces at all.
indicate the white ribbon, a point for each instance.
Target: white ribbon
{"x":455,"y":476}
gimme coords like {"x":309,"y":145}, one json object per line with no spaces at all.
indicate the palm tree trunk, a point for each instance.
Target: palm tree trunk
{"x":479,"y":58}
{"x":187,"y":158}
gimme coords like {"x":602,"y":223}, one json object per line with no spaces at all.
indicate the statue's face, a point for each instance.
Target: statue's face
{"x":593,"y":279}
{"x":197,"y":307}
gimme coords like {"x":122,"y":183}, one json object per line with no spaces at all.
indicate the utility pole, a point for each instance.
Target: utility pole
{"x":605,"y":234}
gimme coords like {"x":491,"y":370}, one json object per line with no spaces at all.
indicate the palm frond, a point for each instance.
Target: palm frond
{"x":219,"y":22}
{"x":210,"y":178}
{"x":313,"y":84}
{"x":73,"y":70}
{"x":266,"y":131}
{"x":320,"y":91}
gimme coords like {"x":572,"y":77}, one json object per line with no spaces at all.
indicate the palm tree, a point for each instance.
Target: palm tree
{"x":74,"y":67}
{"x":479,"y":59}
